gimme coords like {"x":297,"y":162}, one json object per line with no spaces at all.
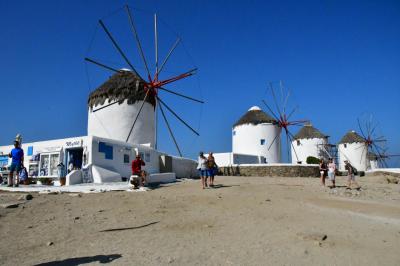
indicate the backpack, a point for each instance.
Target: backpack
{"x":23,"y":174}
{"x":354,"y":170}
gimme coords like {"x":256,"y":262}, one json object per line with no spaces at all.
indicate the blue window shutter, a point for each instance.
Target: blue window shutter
{"x":106,"y":149}
{"x":30,"y":150}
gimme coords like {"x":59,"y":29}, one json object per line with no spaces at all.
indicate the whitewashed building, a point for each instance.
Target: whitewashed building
{"x":255,"y":140}
{"x":352,"y":148}
{"x":309,"y":141}
{"x":106,"y":153}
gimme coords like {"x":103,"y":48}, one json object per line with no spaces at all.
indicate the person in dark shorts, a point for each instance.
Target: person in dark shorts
{"x":323,"y":170}
{"x":17,"y":162}
{"x":212,"y":168}
{"x":203,"y":169}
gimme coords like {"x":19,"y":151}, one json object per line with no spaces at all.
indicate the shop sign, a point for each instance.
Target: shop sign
{"x":74,"y":143}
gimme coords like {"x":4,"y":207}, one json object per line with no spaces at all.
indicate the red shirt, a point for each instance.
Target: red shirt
{"x":137,"y":166}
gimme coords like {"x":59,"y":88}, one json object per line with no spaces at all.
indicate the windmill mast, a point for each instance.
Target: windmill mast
{"x":156,"y":78}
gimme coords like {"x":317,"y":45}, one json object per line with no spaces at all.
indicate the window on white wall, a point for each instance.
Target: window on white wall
{"x":298,"y":142}
{"x":345,"y":145}
{"x":147,"y":157}
{"x":126,"y":158}
{"x":234,"y":133}
{"x":262,"y":141}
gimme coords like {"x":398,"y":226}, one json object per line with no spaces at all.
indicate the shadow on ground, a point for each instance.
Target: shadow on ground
{"x":224,"y":186}
{"x":128,"y":228}
{"x":82,"y":260}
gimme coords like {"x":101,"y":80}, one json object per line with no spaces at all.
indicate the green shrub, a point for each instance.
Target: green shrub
{"x":312,"y":160}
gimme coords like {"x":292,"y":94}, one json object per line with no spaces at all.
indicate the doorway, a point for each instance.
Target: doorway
{"x":74,"y":157}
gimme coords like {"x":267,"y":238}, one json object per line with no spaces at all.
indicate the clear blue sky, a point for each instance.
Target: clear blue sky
{"x":340,"y":59}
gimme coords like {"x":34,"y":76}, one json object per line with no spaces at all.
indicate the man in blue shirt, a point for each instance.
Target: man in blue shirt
{"x":17,"y":155}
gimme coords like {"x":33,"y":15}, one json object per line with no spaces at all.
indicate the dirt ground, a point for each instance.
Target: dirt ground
{"x":243,"y":221}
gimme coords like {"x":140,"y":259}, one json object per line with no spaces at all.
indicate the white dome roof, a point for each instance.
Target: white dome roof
{"x":255,"y":108}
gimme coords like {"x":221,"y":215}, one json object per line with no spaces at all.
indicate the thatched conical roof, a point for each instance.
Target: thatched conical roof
{"x":124,"y":85}
{"x":309,"y":132}
{"x":351,"y":137}
{"x":254,"y":116}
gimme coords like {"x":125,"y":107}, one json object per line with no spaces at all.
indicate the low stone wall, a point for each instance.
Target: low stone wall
{"x":384,"y":173}
{"x":271,"y":170}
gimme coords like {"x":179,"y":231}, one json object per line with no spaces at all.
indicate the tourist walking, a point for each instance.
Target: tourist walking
{"x":323,"y":171}
{"x":202,"y":167}
{"x":17,"y":162}
{"x":332,"y":171}
{"x":351,"y":178}
{"x":212,"y":168}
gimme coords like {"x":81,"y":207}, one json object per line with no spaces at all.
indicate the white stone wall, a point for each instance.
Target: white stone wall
{"x":355,"y":153}
{"x":223,"y":159}
{"x":246,"y":159}
{"x":229,"y":158}
{"x":246,"y":139}
{"x":115,"y":122}
{"x":184,"y":168}
{"x":307,"y":147}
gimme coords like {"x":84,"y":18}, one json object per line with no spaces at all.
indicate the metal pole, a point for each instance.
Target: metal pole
{"x":156,"y":45}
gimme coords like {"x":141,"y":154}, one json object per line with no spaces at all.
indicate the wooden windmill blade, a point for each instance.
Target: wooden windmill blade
{"x":291,"y":138}
{"x":138,"y":43}
{"x":118,"y":47}
{"x":374,"y":143}
{"x":170,"y":130}
{"x":282,"y":118}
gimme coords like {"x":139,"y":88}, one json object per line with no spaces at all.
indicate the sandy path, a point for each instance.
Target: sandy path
{"x":246,"y":221}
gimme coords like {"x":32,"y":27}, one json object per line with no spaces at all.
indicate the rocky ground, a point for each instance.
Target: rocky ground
{"x":243,"y":221}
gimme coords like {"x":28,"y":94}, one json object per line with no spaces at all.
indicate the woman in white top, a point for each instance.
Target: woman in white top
{"x":202,"y":167}
{"x":331,"y":171}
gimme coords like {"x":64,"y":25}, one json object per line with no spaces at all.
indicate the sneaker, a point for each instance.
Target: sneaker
{"x":9,"y":185}
{"x":16,"y":185}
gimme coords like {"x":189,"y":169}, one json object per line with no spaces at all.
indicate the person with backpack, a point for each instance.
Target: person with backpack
{"x":351,"y":178}
{"x":212,"y":168}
